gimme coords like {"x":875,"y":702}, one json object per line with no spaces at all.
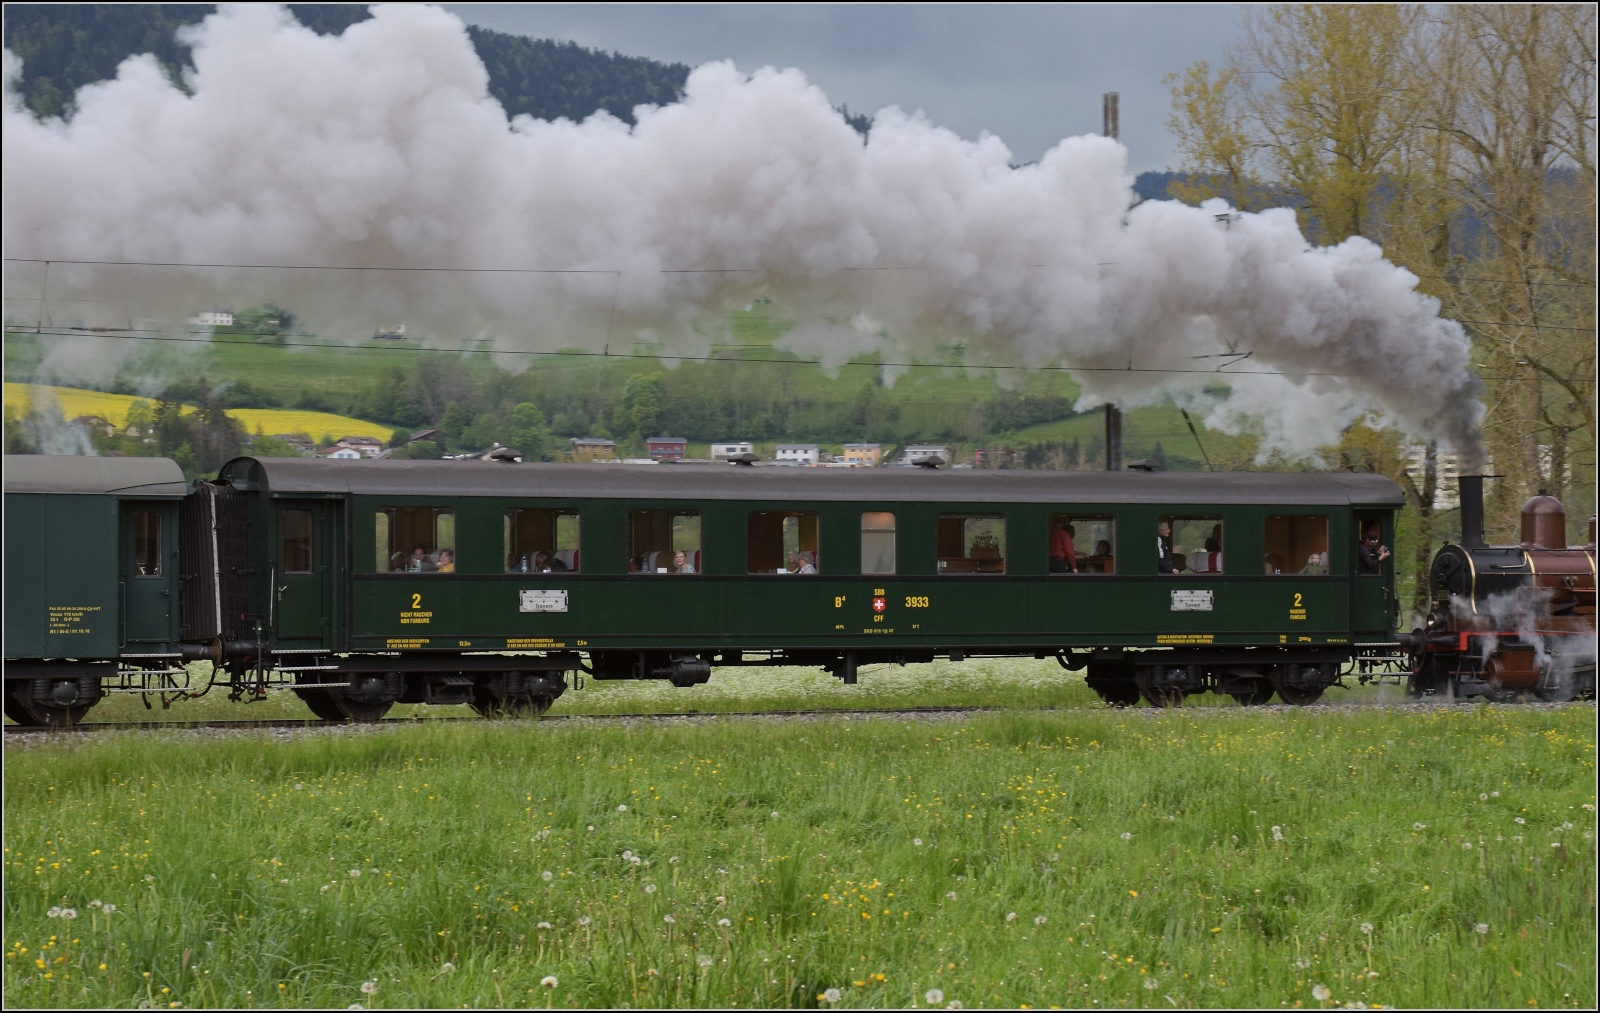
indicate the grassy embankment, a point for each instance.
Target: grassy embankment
{"x":1439,"y":857}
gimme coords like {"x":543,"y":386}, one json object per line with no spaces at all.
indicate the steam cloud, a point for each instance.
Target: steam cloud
{"x":382,"y":148}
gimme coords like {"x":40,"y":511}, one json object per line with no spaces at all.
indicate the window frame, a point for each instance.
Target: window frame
{"x":1078,"y":519}
{"x":784,"y":516}
{"x":1217,"y":521}
{"x":894,"y":542}
{"x":940,"y":561}
{"x":674,"y":513}
{"x":509,"y":532}
{"x":1327,"y":544}
{"x":384,"y":525}
{"x":139,"y":534}
{"x":310,"y":539}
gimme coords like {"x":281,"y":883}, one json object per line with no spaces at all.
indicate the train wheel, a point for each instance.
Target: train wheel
{"x":1292,"y":695}
{"x":339,"y":707}
{"x":1117,"y":694}
{"x":1431,"y":681}
{"x":35,"y":714}
{"x":1255,"y":698}
{"x":1159,"y":696}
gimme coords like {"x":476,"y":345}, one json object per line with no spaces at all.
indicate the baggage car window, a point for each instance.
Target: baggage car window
{"x":972,"y":543}
{"x":416,"y":540}
{"x":146,"y":543}
{"x":1189,"y":545}
{"x":297,"y":541}
{"x":542,"y":541}
{"x":1296,"y":544}
{"x":1083,"y":544}
{"x":877,"y":543}
{"x":664,"y":541}
{"x":782,"y":541}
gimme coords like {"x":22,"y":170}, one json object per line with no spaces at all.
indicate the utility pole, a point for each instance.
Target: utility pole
{"x":1108,"y":115}
{"x":1113,"y":438}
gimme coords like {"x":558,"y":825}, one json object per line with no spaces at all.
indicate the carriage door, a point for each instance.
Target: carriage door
{"x":1372,"y":588}
{"x":148,"y":574}
{"x":304,"y":571}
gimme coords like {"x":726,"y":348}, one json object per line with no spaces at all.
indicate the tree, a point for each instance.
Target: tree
{"x":642,"y":399}
{"x":453,"y":422}
{"x":525,"y":431}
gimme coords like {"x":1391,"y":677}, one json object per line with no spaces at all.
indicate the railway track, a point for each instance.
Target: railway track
{"x":307,"y":724}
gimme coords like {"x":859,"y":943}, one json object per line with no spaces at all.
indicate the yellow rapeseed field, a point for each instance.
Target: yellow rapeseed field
{"x":114,"y":408}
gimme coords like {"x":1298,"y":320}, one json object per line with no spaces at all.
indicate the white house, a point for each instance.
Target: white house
{"x":723,"y":451}
{"x":213,"y":318}
{"x":916,"y":452}
{"x":801,"y":454}
{"x":337,"y":453}
{"x":366,"y":446}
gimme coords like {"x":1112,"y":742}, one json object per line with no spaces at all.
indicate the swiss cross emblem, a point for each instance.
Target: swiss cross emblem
{"x":879,"y":604}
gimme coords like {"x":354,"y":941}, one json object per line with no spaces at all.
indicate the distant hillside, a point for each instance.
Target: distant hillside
{"x":66,"y":46}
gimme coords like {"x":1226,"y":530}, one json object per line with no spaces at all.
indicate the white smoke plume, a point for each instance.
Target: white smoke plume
{"x":382,"y":148}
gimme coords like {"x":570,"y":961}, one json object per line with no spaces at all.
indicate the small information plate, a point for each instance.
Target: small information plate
{"x":1190,"y":601}
{"x":548,"y":601}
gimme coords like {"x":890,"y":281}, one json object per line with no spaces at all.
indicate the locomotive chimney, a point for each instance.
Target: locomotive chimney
{"x":1471,"y":490}
{"x":1544,"y":523}
{"x":1113,"y":438}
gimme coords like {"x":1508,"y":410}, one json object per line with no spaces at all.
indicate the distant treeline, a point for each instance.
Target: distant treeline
{"x":66,"y":46}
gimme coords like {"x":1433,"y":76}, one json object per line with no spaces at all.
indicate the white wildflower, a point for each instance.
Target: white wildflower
{"x":1494,"y":794}
{"x":933,"y":996}
{"x":54,"y":912}
{"x":547,"y":875}
{"x":355,"y":873}
{"x":584,"y":920}
{"x":831,"y":995}
{"x":954,"y":1004}
{"x":1277,"y":833}
{"x":544,"y":925}
{"x":1011,"y":916}
{"x":720,"y":899}
{"x":1126,"y":836}
{"x":774,"y":814}
{"x":355,"y":1005}
{"x":369,"y":988}
{"x":703,"y":960}
{"x":723,"y":923}
{"x":149,"y":878}
{"x":1419,"y":826}
{"x":1302,"y":963}
{"x":1481,"y":929}
{"x":627,"y":856}
{"x":950,"y":896}
{"x":110,"y":909}
{"x":673,"y":860}
{"x":549,"y":981}
{"x":669,"y":919}
{"x":446,"y":967}
{"x":1152,"y":984}
{"x":1466,"y":845}
{"x":1483,"y":796}
{"x":1320,"y":993}
{"x":635,"y":860}
{"x":1039,"y":920}
{"x":622,"y":808}
{"x":95,"y":903}
{"x":1566,"y":826}
{"x":1516,"y":839}
{"x":1519,"y":819}
{"x":916,"y":842}
{"x":1366,"y":928}
{"x":649,"y":888}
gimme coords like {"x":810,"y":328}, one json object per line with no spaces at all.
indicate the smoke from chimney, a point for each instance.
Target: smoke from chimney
{"x":381,"y":148}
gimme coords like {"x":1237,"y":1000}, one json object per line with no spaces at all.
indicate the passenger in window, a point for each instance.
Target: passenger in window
{"x":420,"y":563}
{"x":1063,"y":558}
{"x":447,"y":561}
{"x":1316,"y":563}
{"x":680,"y":563}
{"x":1275,"y":563}
{"x":1164,"y":547}
{"x":544,"y":562}
{"x":635,"y":564}
{"x":1372,"y":554}
{"x":805,"y":563}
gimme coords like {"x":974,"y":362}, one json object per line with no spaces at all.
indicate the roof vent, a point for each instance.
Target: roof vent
{"x":505,"y":455}
{"x":1144,"y":464}
{"x":933,"y":462}
{"x":744,"y":460}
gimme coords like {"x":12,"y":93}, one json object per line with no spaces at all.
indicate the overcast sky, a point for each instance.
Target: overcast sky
{"x":1029,"y":74}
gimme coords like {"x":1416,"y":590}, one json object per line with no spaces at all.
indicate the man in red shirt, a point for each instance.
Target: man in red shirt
{"x":1062,"y":557}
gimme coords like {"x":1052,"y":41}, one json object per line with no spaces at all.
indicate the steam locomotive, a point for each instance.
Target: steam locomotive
{"x":1508,"y":620}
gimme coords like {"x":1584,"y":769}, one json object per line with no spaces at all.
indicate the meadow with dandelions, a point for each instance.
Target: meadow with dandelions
{"x":1317,"y":858}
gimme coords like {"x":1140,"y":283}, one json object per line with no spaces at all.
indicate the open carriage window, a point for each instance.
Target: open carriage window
{"x":416,"y":540}
{"x":971,"y":543}
{"x":664,"y":541}
{"x":542,"y":541}
{"x":1296,"y":545}
{"x":1082,"y":544}
{"x":782,"y":541}
{"x":146,"y":543}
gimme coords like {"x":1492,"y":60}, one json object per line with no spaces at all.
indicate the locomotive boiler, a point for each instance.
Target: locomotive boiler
{"x":1508,"y":620}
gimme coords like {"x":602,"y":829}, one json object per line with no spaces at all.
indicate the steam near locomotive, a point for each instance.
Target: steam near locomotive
{"x":362,"y":585}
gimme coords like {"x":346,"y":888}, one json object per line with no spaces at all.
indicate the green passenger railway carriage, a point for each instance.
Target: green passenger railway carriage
{"x":364,"y":584}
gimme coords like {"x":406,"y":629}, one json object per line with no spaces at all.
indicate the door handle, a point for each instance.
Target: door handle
{"x":281,"y":590}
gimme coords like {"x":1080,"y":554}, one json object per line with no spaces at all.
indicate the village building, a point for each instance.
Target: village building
{"x":804,"y":455}
{"x":666,"y":448}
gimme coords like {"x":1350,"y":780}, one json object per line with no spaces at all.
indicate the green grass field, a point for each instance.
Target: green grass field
{"x":1193,"y":857}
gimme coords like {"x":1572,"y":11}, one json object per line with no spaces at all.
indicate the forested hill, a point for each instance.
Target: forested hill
{"x":66,"y":46}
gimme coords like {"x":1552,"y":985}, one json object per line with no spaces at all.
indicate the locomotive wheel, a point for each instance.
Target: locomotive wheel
{"x":1254,"y":699}
{"x":1430,"y":681}
{"x":1159,"y":696}
{"x":1290,"y":694}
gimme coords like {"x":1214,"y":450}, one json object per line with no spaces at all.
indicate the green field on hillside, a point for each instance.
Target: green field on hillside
{"x":1367,"y":857}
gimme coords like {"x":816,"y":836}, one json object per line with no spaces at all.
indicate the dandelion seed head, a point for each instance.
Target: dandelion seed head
{"x":1419,"y":826}
{"x":723,"y":923}
{"x":649,"y":888}
{"x":635,"y":860}
{"x":830,"y":995}
{"x":544,"y":925}
{"x":95,"y":903}
{"x":369,"y":988}
{"x":446,"y":967}
{"x":68,"y":913}
{"x":355,"y":1005}
{"x":673,"y":860}
{"x":950,"y":895}
{"x":774,"y":814}
{"x":1302,"y":963}
{"x":622,"y":808}
{"x":1481,"y":929}
{"x":1011,"y":916}
{"x":954,"y":1004}
{"x":584,"y":920}
{"x":549,"y":981}
{"x":933,"y":996}
{"x":1494,"y":794}
{"x":1039,"y":919}
{"x":1126,"y":836}
{"x":1320,"y":993}
{"x":916,"y":842}
{"x":669,"y":919}
{"x":54,"y":912}
{"x":149,"y":878}
{"x":1366,"y":928}
{"x":703,"y":960}
{"x":547,"y":875}
{"x":1152,"y":984}
{"x":1519,"y":819}
{"x":1566,"y":826}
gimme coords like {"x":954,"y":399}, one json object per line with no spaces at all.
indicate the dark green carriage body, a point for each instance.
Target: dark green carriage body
{"x":91,"y":577}
{"x":347,"y":605}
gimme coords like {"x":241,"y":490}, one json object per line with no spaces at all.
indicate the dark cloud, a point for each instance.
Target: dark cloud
{"x":1029,"y":74}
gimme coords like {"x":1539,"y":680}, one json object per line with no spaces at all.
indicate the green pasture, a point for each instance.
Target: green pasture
{"x":1439,"y":856}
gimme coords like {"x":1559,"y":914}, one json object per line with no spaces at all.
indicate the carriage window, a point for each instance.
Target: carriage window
{"x":297,"y":541}
{"x":1195,"y":544}
{"x":416,"y":540}
{"x":542,"y":541}
{"x":1082,"y":544}
{"x":146,"y":543}
{"x":664,"y":541}
{"x":1371,"y":554}
{"x":1296,"y":545}
{"x":877,"y":543}
{"x":782,"y":542}
{"x":972,"y":543}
